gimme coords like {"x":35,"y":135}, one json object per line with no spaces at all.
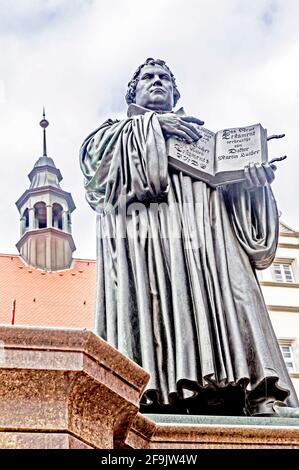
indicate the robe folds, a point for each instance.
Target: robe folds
{"x":177,"y":290}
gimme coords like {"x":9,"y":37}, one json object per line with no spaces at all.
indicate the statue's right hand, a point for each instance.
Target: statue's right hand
{"x":180,"y":126}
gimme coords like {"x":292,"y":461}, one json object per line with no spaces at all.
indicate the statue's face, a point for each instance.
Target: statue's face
{"x":154,"y":89}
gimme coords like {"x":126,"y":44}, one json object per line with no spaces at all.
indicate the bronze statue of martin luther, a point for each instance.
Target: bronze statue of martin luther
{"x":176,"y":285}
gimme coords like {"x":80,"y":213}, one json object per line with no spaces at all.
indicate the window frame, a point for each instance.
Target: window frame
{"x":279,"y":268}
{"x":289,"y":344}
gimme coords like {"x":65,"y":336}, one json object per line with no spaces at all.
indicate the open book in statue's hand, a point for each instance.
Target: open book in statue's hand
{"x":229,"y":156}
{"x":222,"y":157}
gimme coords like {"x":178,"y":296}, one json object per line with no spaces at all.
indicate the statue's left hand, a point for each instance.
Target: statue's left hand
{"x":257,"y":175}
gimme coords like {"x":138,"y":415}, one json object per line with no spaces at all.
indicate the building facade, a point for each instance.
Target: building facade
{"x":280,"y":286}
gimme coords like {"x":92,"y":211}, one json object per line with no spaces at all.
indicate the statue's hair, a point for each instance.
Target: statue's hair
{"x":131,"y":92}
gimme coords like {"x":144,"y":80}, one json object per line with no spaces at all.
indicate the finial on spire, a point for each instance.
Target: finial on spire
{"x":44,"y":124}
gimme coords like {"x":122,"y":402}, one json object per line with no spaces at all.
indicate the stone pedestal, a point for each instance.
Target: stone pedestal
{"x":212,"y":432}
{"x":69,"y":389}
{"x":65,"y":389}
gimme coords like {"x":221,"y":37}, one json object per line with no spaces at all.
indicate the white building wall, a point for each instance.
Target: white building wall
{"x":282,"y":299}
{"x":286,"y":326}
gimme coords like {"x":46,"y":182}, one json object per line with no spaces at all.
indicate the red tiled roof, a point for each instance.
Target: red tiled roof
{"x":62,"y":298}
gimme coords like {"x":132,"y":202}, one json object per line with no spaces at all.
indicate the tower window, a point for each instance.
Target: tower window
{"x":25,"y":221}
{"x":40,"y":215}
{"x":26,"y":218}
{"x":57,"y":216}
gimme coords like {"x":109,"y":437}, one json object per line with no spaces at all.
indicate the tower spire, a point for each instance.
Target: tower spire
{"x":45,"y":208}
{"x":44,"y":124}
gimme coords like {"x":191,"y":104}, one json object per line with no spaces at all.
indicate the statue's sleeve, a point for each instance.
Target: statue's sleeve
{"x":254,"y":218}
{"x":125,"y":158}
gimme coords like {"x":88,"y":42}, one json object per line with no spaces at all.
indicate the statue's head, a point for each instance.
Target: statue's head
{"x":153,"y":86}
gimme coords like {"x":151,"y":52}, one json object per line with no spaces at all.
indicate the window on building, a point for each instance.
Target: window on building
{"x":287,"y":353}
{"x":282,"y":272}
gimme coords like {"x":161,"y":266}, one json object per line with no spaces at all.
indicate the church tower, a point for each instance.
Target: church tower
{"x":46,"y":237}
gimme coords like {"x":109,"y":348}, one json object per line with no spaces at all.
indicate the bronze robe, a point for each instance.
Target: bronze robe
{"x":176,"y":285}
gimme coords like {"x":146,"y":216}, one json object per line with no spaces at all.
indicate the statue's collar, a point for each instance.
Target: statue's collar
{"x":136,"y":110}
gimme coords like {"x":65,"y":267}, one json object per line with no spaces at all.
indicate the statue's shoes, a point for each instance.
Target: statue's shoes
{"x":262,"y":407}
{"x":271,"y":407}
{"x":284,"y":411}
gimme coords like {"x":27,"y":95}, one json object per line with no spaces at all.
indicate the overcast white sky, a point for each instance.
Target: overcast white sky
{"x":236,"y":63}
